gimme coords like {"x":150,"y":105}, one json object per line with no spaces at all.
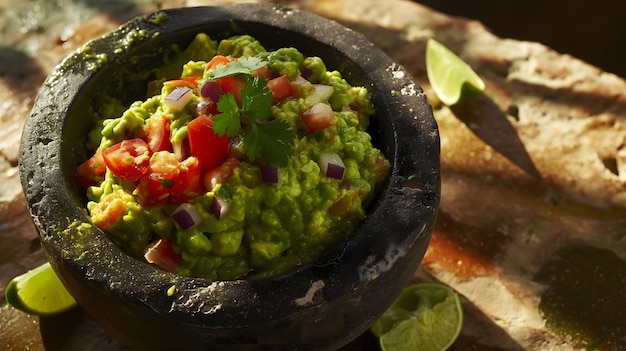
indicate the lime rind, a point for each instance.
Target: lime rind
{"x":39,"y":292}
{"x":451,"y":79}
{"x":426,"y":317}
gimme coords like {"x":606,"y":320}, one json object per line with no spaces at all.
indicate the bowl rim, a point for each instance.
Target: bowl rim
{"x":40,"y":159}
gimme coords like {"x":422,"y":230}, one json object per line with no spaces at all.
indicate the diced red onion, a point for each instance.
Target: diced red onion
{"x":210,"y":90}
{"x":332,"y":165}
{"x":269,"y":174}
{"x":178,"y":98}
{"x":161,"y":254}
{"x":182,"y":150}
{"x":219,"y":207}
{"x":186,"y":216}
{"x":306,"y":73}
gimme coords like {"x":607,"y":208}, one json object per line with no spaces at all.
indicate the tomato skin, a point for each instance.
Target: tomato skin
{"x":187,"y":186}
{"x":232,"y":85}
{"x":113,"y":209}
{"x":189,"y":82}
{"x":280,"y":88}
{"x":318,"y":117}
{"x":210,"y":148}
{"x":129,"y":159}
{"x":169,"y":180}
{"x":157,"y":133}
{"x":92,"y":171}
{"x":216,"y":61}
{"x":263,"y":72}
{"x":154,"y":188}
{"x":219,"y":174}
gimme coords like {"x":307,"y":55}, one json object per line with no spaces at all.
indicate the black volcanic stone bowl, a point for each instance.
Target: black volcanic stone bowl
{"x":323,"y":305}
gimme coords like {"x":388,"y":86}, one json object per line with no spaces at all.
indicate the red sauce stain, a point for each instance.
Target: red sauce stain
{"x":464,"y":250}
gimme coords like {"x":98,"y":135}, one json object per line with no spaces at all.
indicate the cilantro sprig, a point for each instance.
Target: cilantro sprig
{"x":270,"y":140}
{"x":245,"y":65}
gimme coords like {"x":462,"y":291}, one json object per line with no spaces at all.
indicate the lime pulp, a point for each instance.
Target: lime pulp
{"x":450,"y":77}
{"x":425,"y":317}
{"x":39,"y":292}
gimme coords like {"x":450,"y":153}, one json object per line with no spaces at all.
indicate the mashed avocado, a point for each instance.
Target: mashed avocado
{"x":242,"y":145}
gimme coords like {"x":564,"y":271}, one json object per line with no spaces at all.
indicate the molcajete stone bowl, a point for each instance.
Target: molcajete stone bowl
{"x":322,"y":305}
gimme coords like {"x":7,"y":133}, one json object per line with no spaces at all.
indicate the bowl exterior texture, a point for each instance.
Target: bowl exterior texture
{"x":323,"y":305}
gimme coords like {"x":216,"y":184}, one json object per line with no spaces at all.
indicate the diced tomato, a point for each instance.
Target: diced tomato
{"x":230,"y":84}
{"x":161,"y":253}
{"x":92,"y":171}
{"x":157,"y":133}
{"x":155,"y":187}
{"x":318,"y":117}
{"x":187,"y":186}
{"x":112,"y":209}
{"x":129,"y":159}
{"x":263,"y":72}
{"x":280,"y":88}
{"x":169,"y":180}
{"x":216,"y":61}
{"x":210,"y":148}
{"x":189,"y":82}
{"x":220,"y":174}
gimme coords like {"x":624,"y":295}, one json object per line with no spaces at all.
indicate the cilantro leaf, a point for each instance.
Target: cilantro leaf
{"x":228,"y":121}
{"x":256,"y":99}
{"x":244,"y":65}
{"x":272,"y":140}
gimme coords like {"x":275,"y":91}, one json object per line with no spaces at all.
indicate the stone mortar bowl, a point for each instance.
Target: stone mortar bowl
{"x":322,"y":305}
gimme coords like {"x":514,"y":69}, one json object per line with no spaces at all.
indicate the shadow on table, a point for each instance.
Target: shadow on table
{"x":76,"y":331}
{"x":488,"y":122}
{"x":19,"y":69}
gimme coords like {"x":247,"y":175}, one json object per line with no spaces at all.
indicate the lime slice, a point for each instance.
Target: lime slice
{"x":39,"y":292}
{"x":425,"y":317}
{"x":451,"y":78}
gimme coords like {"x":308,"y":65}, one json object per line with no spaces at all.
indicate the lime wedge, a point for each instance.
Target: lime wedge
{"x":451,"y":78}
{"x":425,"y":317}
{"x":39,"y":292}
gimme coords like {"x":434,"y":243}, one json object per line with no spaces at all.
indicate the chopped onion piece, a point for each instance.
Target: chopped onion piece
{"x":160,"y":253}
{"x":306,"y":73}
{"x":312,"y":93}
{"x":269,"y":174}
{"x":186,"y":216}
{"x":320,"y":93}
{"x":210,"y":90}
{"x":332,"y":165}
{"x":300,"y":80}
{"x":203,"y":106}
{"x":178,"y":98}
{"x":219,"y":207}
{"x":182,"y":150}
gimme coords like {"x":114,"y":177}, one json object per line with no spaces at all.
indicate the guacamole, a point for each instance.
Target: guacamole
{"x":249,"y":164}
